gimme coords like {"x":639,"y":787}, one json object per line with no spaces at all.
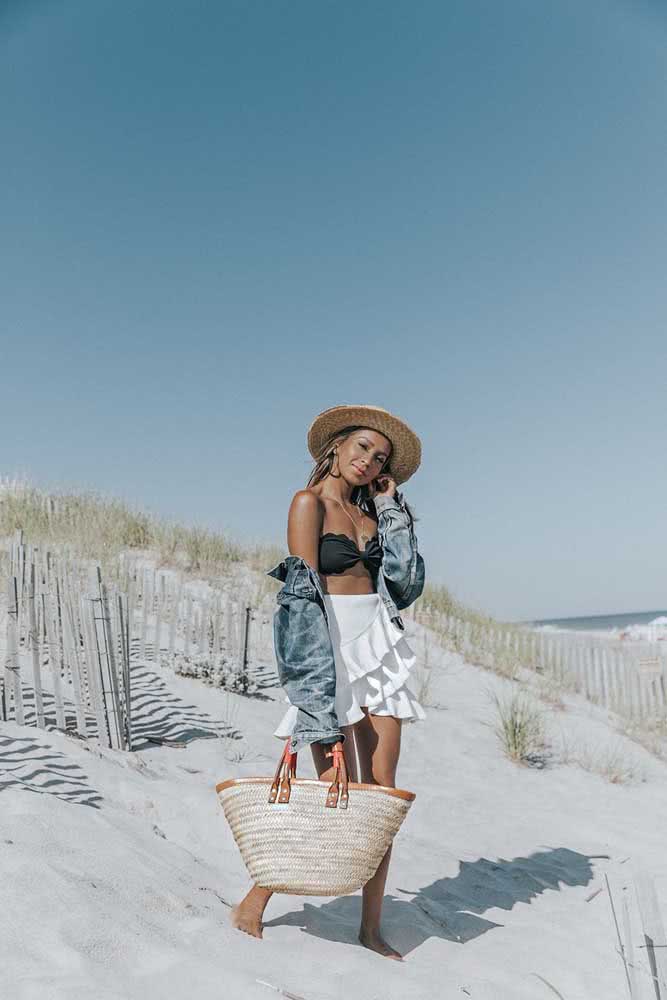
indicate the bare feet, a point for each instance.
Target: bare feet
{"x":374,"y":941}
{"x":247,"y":915}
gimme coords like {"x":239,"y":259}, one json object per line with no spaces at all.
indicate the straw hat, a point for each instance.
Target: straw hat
{"x":406,"y":449}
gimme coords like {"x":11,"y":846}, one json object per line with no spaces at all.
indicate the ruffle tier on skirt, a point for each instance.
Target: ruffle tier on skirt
{"x":373,"y":663}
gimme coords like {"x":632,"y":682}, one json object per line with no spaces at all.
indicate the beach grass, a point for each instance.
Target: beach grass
{"x":96,"y":526}
{"x":611,"y":762}
{"x":520,"y":728}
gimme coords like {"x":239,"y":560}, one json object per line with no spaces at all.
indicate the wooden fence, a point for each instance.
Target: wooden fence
{"x":72,"y":628}
{"x":625,"y":676}
{"x":71,"y":638}
{"x":639,"y":930}
{"x":179,"y":623}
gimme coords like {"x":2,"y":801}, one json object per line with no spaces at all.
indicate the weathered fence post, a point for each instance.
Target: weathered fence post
{"x":107,"y":653}
{"x":95,"y":680}
{"x":244,"y":666}
{"x":654,"y":931}
{"x":124,"y":630}
{"x":12,"y":666}
{"x":50,"y":619}
{"x":35,"y":645}
{"x":144,"y":614}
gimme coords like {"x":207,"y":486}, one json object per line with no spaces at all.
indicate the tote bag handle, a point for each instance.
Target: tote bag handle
{"x":286,"y":770}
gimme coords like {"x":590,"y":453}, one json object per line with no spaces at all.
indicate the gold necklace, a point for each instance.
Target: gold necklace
{"x":364,"y":537}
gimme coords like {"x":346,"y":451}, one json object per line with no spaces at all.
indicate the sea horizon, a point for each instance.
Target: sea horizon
{"x":597,"y":622}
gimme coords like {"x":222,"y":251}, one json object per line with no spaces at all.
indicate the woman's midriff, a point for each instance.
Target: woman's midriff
{"x":356,"y":580}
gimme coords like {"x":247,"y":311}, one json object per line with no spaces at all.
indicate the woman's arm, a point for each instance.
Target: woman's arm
{"x":402,"y":564}
{"x":304,"y":651}
{"x":304,"y":525}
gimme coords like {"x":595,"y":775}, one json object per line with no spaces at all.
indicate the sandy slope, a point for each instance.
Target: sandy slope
{"x":116,"y":869}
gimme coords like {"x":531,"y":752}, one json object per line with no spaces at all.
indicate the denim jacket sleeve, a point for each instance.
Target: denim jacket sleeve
{"x":402,"y":564}
{"x":304,"y":653}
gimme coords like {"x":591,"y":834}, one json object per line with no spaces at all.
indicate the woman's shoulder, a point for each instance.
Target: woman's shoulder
{"x":307,"y":501}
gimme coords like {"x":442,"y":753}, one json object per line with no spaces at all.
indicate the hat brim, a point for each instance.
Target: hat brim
{"x":406,"y":447}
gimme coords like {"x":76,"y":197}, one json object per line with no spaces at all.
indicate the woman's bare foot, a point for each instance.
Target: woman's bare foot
{"x":247,"y":915}
{"x":373,"y":940}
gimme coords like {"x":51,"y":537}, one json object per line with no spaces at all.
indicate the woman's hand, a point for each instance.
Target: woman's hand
{"x":383,"y":486}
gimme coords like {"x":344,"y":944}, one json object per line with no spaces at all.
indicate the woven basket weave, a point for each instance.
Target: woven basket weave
{"x":309,"y":840}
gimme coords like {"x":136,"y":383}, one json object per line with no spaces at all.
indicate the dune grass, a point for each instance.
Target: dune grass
{"x":649,"y":733}
{"x":100,"y":527}
{"x":440,"y":600}
{"x":611,"y":762}
{"x":520,"y":729}
{"x":96,"y":526}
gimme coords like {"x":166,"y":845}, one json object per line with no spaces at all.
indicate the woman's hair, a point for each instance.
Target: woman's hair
{"x":324,"y":463}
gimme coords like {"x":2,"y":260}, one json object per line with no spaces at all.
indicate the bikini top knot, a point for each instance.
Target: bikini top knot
{"x":338,"y":552}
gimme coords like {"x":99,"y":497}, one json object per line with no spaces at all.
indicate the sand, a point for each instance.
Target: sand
{"x":118,"y":869}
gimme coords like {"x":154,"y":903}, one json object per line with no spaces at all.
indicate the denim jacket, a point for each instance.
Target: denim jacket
{"x":302,"y":641}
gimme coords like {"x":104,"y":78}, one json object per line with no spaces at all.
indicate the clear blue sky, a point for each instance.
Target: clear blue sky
{"x":219,"y":218}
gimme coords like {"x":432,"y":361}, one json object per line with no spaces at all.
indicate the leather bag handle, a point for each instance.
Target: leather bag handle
{"x":340,"y":780}
{"x":286,"y":770}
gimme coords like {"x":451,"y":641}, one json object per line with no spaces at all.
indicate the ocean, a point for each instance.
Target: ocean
{"x":601,"y":622}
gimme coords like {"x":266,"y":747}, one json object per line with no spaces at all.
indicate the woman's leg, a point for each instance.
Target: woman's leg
{"x":247,"y":915}
{"x":379,"y":743}
{"x":325,"y":771}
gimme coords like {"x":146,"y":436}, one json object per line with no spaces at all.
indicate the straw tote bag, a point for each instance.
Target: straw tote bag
{"x":309,"y":837}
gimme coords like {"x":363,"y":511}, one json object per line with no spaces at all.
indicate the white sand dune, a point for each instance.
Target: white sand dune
{"x":117,"y":869}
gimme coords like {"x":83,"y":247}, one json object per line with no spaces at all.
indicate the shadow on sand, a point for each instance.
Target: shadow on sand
{"x":33,"y":766}
{"x":449,"y":908}
{"x":159,"y":715}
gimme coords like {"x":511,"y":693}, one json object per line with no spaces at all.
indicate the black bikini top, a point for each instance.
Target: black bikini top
{"x":338,"y":552}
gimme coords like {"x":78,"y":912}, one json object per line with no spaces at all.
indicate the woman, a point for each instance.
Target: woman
{"x":342,"y":657}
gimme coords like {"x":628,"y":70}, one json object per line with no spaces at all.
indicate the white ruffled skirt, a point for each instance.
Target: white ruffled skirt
{"x":373,"y":663}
